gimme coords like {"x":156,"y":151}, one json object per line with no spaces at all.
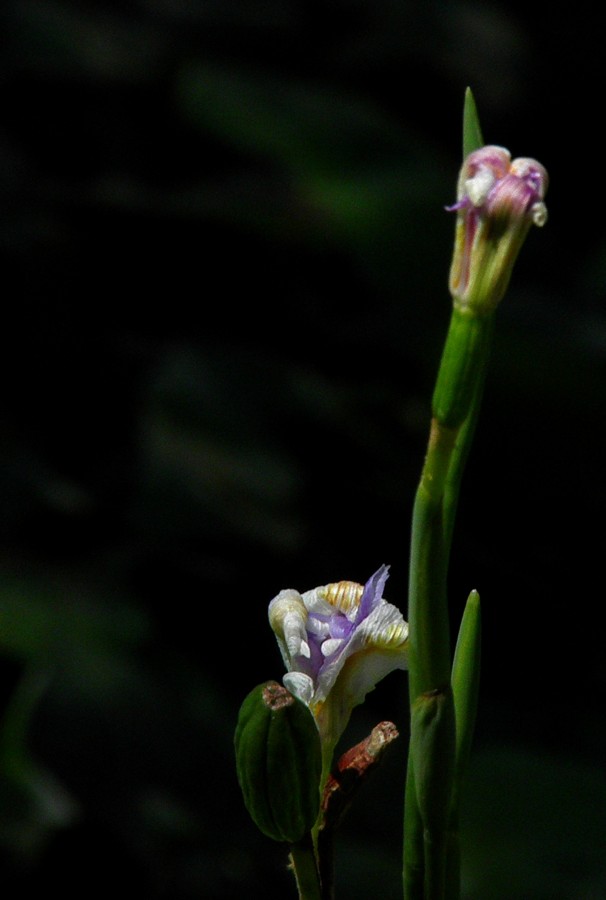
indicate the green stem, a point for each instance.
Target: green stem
{"x":435,"y":865}
{"x":322,"y":838}
{"x":414,"y":854}
{"x":455,"y":406}
{"x":429,"y":641}
{"x":306,"y":869}
{"x":326,"y":862}
{"x":467,"y":428}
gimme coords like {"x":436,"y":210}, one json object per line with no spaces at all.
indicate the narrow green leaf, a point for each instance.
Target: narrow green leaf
{"x":466,"y":679}
{"x":472,"y":133}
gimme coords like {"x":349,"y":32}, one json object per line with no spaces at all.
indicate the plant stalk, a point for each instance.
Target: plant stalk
{"x":455,"y":404}
{"x":305,"y":868}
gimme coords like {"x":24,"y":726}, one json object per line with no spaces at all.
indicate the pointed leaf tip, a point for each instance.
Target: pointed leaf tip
{"x":472,"y":132}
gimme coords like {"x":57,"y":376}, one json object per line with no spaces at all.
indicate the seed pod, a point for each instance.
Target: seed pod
{"x":278,"y":762}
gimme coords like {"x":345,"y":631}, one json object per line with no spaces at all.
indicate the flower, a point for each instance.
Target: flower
{"x":337,"y":642}
{"x":497,"y":202}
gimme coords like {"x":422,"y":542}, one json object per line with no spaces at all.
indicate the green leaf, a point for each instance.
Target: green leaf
{"x":472,"y":133}
{"x":465,"y":680}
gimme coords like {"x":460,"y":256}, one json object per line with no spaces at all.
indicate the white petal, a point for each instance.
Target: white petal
{"x":329,"y":646}
{"x":295,"y":635}
{"x":316,"y":627}
{"x":479,"y":185}
{"x":300,"y":685}
{"x":287,"y":617}
{"x":539,"y":213}
{"x":365,"y":670}
{"x":315,"y":602}
{"x":376,"y":647}
{"x":385,"y":629}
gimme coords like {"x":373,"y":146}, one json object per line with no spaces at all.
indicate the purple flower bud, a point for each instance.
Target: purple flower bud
{"x":497,"y":202}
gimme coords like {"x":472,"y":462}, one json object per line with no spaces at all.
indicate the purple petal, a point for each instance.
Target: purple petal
{"x":341,"y":627}
{"x":373,"y":593}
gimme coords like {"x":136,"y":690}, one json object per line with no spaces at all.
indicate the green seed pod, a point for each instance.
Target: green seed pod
{"x":278,"y":762}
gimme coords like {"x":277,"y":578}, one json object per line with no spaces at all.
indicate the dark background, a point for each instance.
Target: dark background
{"x":224,"y":258}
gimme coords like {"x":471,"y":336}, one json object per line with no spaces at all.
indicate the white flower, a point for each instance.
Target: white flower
{"x":337,"y":642}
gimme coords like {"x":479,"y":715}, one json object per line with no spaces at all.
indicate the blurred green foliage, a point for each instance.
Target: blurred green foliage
{"x":225,"y":255}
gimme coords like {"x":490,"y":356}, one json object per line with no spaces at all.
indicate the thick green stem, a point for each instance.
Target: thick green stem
{"x":466,"y":430}
{"x":462,"y":367}
{"x":322,"y":838}
{"x":414,"y":853}
{"x":305,"y":867}
{"x":435,"y":865}
{"x":455,"y":405}
{"x":432,"y":750}
{"x":429,"y":642}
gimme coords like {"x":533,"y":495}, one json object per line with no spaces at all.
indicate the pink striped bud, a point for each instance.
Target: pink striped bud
{"x":497,"y":202}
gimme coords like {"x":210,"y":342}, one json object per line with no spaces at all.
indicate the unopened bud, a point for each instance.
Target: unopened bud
{"x":497,"y":202}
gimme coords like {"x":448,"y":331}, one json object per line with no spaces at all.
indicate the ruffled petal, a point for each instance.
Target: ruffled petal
{"x":288,"y":618}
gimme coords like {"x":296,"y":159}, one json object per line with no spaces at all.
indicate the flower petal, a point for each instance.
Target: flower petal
{"x":288,"y":617}
{"x":300,"y":685}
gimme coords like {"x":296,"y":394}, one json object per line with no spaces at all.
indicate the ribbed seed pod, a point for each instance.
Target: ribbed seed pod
{"x":278,"y":762}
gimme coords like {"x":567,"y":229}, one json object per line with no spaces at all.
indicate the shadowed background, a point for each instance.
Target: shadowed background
{"x":225,"y":255}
